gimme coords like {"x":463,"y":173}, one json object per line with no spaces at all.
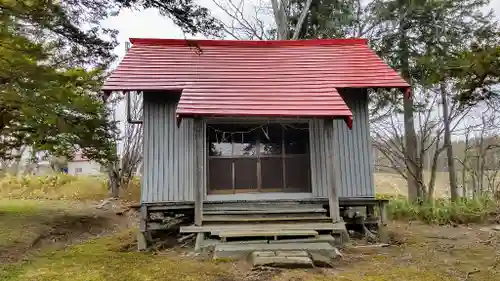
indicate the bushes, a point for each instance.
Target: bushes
{"x":443,"y":211}
{"x":61,"y":187}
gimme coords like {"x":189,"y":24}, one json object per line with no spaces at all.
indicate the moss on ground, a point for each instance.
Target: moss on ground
{"x":423,"y":253}
{"x":23,"y":220}
{"x":105,"y":259}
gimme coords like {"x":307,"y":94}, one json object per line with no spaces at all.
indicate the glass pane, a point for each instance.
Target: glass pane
{"x":270,"y":139}
{"x":219,"y":143}
{"x":296,"y":138}
{"x":245,"y":141}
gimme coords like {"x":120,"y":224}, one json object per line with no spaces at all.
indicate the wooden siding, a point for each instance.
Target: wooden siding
{"x":352,"y":150}
{"x":169,"y":153}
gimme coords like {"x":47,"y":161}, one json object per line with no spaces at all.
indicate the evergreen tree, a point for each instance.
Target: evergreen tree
{"x":418,"y":37}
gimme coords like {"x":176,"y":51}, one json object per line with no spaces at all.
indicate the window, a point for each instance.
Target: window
{"x":78,"y":170}
{"x":258,"y":157}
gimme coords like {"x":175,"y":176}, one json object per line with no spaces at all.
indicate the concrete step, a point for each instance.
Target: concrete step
{"x":211,"y":243}
{"x":241,"y":251}
{"x":286,"y":259}
{"x":263,"y":218}
{"x":266,"y":233}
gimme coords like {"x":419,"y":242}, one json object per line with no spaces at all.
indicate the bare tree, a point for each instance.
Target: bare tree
{"x":242,"y":20}
{"x":129,"y":148}
{"x":447,"y":141}
{"x":479,"y":162}
{"x":389,"y":139}
{"x":256,"y":21}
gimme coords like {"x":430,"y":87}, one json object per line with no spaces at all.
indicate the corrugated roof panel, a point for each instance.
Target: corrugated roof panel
{"x":242,"y":101}
{"x":260,"y":78}
{"x":162,"y":64}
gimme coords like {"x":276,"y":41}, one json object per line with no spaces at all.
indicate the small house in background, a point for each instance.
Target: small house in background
{"x":264,"y":140}
{"x":80,"y":165}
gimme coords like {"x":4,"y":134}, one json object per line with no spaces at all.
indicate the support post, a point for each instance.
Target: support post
{"x":333,"y":179}
{"x":142,"y":234}
{"x":199,"y":155}
{"x":382,"y":224}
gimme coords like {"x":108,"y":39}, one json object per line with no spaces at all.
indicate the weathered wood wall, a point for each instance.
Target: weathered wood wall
{"x":169,"y":152}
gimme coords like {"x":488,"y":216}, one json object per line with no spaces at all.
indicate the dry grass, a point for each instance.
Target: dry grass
{"x":421,"y":253}
{"x":62,"y":187}
{"x":394,"y":184}
{"x":424,"y":253}
{"x":30,"y":225}
{"x":90,"y":188}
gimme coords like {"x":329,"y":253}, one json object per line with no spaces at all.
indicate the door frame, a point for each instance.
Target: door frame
{"x":283,"y":156}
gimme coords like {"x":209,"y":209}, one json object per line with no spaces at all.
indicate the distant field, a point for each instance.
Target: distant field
{"x":387,"y":183}
{"x":66,"y":187}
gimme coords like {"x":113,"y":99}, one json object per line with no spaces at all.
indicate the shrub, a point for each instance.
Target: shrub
{"x":443,"y":211}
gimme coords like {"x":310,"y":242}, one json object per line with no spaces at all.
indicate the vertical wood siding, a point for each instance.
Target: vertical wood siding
{"x":169,"y":167}
{"x":169,"y":151}
{"x":352,"y":151}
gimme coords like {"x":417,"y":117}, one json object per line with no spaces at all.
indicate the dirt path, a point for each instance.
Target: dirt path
{"x":29,"y":226}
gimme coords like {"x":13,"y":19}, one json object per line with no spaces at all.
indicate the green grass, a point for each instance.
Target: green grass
{"x":444,"y":211}
{"x":104,"y":259}
{"x":23,"y":220}
{"x":420,"y":257}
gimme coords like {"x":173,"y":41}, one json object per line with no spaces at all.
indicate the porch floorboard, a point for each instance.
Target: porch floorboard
{"x":217,"y":228}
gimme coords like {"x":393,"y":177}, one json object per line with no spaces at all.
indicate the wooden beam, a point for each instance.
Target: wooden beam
{"x":198,"y":187}
{"x":332,"y":170}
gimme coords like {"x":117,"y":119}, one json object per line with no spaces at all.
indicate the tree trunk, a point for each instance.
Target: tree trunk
{"x":114,"y":181}
{"x":413,"y":175}
{"x":447,"y":144}
{"x":281,"y":19}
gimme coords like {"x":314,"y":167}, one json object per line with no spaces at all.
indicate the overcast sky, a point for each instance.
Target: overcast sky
{"x":149,"y":23}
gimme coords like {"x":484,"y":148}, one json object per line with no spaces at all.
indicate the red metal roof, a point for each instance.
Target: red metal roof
{"x":265,"y":78}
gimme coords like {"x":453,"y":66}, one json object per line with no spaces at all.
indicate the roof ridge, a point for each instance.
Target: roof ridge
{"x":249,"y":43}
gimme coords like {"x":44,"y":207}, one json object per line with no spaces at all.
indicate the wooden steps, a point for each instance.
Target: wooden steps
{"x":260,"y":210}
{"x":267,"y":233}
{"x":217,"y":228}
{"x":210,"y":243}
{"x":264,"y":218}
{"x":267,"y":226}
{"x":263,"y":212}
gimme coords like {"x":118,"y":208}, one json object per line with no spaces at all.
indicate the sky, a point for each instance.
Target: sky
{"x":149,"y":23}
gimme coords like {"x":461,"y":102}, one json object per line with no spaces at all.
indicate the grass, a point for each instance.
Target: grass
{"x":444,"y":211}
{"x":23,"y":220}
{"x":107,"y":258}
{"x":395,"y":184}
{"x":426,"y":253}
{"x":91,"y":188}
{"x":32,"y":207}
{"x":104,"y":259}
{"x":62,"y":187}
{"x":30,"y":225}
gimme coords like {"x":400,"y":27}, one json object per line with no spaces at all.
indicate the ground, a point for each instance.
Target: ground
{"x":67,"y":240}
